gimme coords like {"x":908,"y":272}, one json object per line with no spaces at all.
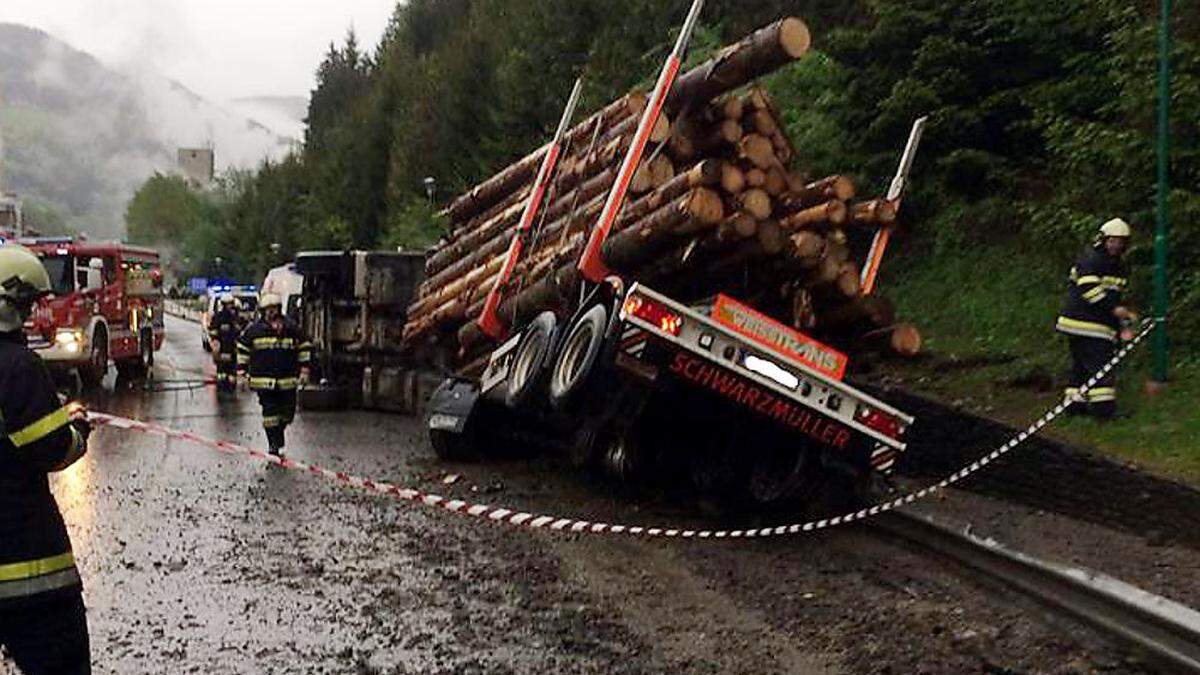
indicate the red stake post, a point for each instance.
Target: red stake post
{"x":870,"y":270}
{"x":489,"y":320}
{"x":591,"y":264}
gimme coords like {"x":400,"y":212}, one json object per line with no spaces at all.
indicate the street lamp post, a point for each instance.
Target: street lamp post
{"x":430,"y":188}
{"x":1161,"y":289}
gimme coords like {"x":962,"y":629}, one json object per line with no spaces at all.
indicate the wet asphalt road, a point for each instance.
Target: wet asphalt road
{"x":198,"y":562}
{"x":195,"y":561}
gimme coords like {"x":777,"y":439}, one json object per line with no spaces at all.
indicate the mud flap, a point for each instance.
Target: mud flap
{"x":451,"y":406}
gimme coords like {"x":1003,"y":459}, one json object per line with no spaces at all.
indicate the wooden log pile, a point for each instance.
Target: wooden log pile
{"x":714,"y":207}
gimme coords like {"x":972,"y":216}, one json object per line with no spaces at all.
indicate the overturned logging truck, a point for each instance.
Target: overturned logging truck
{"x":655,"y":287}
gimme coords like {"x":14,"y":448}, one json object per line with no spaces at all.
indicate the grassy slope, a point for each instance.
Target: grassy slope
{"x":990,"y":347}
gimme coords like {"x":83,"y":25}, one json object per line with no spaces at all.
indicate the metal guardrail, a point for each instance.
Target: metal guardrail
{"x":177,"y":310}
{"x":1164,"y":630}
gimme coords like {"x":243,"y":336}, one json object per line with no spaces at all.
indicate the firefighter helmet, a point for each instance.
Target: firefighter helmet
{"x":269,"y":300}
{"x":23,"y":280}
{"x":227,"y":299}
{"x":1115,"y":228}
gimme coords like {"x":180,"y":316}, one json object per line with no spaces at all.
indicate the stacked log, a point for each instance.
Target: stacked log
{"x":714,"y":207}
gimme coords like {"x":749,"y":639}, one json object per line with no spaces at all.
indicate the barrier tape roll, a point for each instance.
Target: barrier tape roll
{"x":528,"y":520}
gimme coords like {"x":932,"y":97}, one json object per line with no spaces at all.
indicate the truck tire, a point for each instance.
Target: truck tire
{"x":578,"y":356}
{"x":531,"y":362}
{"x":141,"y":365}
{"x":91,"y":373}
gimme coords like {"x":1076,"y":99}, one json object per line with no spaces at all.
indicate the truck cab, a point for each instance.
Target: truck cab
{"x":106,"y":304}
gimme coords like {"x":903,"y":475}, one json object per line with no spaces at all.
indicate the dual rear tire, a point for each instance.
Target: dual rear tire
{"x":540,"y":372}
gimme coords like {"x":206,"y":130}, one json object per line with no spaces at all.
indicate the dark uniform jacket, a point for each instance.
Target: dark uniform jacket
{"x":273,"y":358}
{"x":36,"y":437}
{"x":223,"y":327}
{"x":1095,"y":288}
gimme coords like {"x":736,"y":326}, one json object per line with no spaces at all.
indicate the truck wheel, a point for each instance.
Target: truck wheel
{"x":91,"y":373}
{"x":530,"y":364}
{"x":578,"y":356}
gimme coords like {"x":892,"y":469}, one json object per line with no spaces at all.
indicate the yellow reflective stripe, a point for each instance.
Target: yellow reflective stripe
{"x":274,"y":343}
{"x":243,"y":348}
{"x":273,"y":382}
{"x":271,"y":421}
{"x":37,"y":568}
{"x":1116,"y":282}
{"x":243,"y":360}
{"x":1087,"y":279}
{"x":41,"y":428}
{"x":1085,"y":328}
{"x":1102,"y":394}
{"x":1096,"y":294}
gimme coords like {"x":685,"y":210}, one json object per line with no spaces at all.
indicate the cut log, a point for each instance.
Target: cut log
{"x":756,"y":202}
{"x":831,"y":212}
{"x":840,"y":188}
{"x":872,"y":310}
{"x":756,"y":177}
{"x":733,"y":180}
{"x":776,"y":181}
{"x":624,"y":249}
{"x":759,"y":53}
{"x":737,"y":227}
{"x":770,"y":237}
{"x":808,"y":248}
{"x":874,"y":212}
{"x":848,"y":282}
{"x":763,"y":123}
{"x":759,"y":150}
{"x":721,"y":136}
{"x":520,"y":172}
{"x":732,"y":108}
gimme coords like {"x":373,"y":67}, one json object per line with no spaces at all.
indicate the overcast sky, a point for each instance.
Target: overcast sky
{"x":221,"y":49}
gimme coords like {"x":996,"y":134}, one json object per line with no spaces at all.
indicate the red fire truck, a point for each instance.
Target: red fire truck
{"x":106,"y":304}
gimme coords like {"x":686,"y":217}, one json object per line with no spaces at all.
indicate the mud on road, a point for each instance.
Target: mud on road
{"x":198,"y":562}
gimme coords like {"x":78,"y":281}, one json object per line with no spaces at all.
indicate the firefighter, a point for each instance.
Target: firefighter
{"x":1095,"y":317}
{"x":43,"y":625}
{"x":223,"y":330}
{"x":274,"y":354}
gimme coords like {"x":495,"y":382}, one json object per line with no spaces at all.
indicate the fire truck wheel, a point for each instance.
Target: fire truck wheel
{"x":531,"y":362}
{"x":578,"y":356}
{"x":91,"y":373}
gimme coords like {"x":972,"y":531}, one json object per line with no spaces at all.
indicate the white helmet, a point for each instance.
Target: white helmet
{"x":227,"y":299}
{"x":1115,"y":228}
{"x":269,"y":300}
{"x":23,"y":279}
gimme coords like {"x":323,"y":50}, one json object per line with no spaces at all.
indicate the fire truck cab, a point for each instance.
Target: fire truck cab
{"x":106,"y":304}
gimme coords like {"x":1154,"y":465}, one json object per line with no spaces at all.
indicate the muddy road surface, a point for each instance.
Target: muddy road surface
{"x":195,"y":561}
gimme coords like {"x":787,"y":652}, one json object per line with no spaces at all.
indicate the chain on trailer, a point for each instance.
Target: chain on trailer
{"x":529,"y":520}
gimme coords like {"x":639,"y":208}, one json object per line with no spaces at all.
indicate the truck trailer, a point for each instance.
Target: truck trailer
{"x":599,"y":297}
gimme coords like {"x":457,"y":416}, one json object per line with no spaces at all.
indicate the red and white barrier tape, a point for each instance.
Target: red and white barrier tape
{"x":529,"y":520}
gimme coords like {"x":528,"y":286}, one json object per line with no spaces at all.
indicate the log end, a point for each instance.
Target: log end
{"x":794,"y":37}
